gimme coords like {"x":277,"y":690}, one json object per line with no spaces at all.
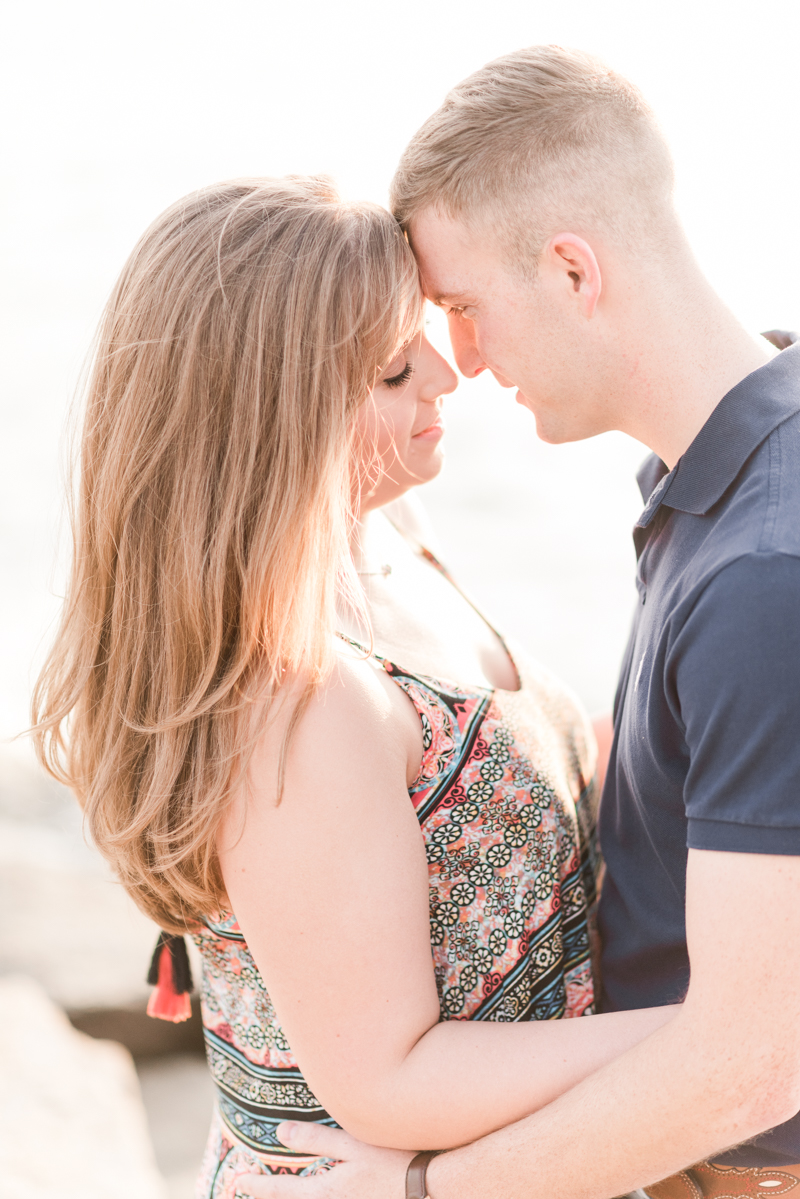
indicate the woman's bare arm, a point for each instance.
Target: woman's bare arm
{"x":331,"y":891}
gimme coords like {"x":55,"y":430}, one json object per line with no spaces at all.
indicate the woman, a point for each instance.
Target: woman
{"x":281,"y":707}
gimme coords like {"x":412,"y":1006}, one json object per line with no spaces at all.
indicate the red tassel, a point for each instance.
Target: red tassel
{"x":165,"y":1003}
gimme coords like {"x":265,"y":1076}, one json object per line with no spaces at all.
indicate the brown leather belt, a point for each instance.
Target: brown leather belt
{"x":707,"y":1181}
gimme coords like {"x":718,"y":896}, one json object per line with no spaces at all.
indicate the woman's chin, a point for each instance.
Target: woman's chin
{"x":428,"y":465}
{"x":420,"y":469}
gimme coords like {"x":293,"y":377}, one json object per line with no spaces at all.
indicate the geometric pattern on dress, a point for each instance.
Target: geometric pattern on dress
{"x":282,"y":1091}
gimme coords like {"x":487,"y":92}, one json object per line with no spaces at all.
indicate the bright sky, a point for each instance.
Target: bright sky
{"x":113,"y":110}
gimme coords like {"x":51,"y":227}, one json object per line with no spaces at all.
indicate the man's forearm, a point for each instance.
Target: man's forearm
{"x":726,"y":1068}
{"x":676,"y":1098}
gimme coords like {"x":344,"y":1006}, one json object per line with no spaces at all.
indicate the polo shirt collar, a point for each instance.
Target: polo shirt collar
{"x":741,"y":421}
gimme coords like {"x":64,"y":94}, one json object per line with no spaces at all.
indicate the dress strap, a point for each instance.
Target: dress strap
{"x":365,"y":650}
{"x":437,"y":563}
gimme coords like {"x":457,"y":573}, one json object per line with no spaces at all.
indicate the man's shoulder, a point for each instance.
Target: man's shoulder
{"x":760,"y":514}
{"x":781,"y":470}
{"x":759,"y":577}
{"x":751,"y":560}
{"x":749,"y":604}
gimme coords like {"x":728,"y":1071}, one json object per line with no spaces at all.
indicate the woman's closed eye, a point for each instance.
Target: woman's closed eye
{"x":401,"y":378}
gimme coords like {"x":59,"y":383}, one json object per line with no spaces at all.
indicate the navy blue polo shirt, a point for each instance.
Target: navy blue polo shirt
{"x":706,"y":751}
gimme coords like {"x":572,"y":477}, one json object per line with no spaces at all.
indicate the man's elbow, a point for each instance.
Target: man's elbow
{"x":774,"y":1095}
{"x":754,"y":1091}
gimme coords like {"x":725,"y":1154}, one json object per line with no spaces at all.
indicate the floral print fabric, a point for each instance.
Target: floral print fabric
{"x":506,"y":803}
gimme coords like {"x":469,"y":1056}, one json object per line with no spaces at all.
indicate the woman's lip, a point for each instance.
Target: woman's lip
{"x":436,"y":429}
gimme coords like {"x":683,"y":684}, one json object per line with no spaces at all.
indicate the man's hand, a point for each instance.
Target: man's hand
{"x":362,"y":1172}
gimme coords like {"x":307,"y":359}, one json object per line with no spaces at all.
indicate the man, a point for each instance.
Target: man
{"x":538,"y":201}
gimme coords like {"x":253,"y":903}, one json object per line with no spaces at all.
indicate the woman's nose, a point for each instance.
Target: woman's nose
{"x":465,"y":347}
{"x":448,"y":379}
{"x":439,"y":378}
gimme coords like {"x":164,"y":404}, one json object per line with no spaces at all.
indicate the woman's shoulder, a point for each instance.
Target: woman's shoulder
{"x":336,"y":758}
{"x":356,"y":718}
{"x":358,"y":694}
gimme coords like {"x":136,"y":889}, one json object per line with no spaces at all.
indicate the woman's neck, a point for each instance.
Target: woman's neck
{"x":366,"y":546}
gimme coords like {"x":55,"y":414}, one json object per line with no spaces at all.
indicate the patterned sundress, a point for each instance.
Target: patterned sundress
{"x":506,"y":801}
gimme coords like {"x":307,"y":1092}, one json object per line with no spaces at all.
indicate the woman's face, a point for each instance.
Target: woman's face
{"x":400,"y":424}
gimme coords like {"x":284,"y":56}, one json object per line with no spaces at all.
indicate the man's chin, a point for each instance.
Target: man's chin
{"x":551,"y":436}
{"x":549,"y":430}
{"x":543,"y":427}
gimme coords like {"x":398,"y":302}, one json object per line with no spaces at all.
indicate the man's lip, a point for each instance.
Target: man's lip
{"x":435,"y":426}
{"x":503,"y":380}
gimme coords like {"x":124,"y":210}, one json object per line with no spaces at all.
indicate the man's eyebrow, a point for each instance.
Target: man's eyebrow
{"x":449,"y":297}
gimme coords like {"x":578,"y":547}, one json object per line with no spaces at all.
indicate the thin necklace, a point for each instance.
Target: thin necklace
{"x":384,"y":571}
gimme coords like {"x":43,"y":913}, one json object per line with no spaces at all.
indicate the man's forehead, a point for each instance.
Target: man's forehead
{"x":445,"y":279}
{"x":453,"y":259}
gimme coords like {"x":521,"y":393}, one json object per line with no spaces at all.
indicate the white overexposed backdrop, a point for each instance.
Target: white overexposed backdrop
{"x":113,"y":110}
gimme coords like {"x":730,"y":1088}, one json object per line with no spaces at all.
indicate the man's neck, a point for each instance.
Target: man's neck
{"x":691,"y":352}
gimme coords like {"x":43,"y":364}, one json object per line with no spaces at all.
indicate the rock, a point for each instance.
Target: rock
{"x":74,"y":929}
{"x":70,"y":1108}
{"x":178,"y":1096}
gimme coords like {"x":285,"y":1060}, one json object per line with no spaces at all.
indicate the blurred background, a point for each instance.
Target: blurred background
{"x":112,"y":111}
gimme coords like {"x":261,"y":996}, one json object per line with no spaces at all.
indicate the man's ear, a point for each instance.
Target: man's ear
{"x":574,"y":259}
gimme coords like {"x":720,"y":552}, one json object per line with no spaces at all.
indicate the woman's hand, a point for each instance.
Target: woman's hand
{"x":363,"y":1172}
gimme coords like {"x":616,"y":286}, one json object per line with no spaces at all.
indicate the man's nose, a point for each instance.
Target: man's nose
{"x":465,"y":346}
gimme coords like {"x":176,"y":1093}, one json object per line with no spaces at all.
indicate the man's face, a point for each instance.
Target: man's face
{"x":530,"y":335}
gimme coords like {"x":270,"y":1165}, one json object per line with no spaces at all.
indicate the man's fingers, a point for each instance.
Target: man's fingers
{"x":315,"y":1140}
{"x":364,"y":1172}
{"x":318,"y":1139}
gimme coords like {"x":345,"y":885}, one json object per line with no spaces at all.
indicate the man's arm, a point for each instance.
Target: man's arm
{"x":726,"y":1068}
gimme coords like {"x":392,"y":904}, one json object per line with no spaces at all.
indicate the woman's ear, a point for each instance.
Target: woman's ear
{"x":574,"y":259}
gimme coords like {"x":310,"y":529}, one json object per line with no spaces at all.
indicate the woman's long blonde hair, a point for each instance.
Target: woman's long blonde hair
{"x":212,"y":511}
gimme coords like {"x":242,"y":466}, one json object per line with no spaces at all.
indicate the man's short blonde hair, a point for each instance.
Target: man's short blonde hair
{"x":538,"y":142}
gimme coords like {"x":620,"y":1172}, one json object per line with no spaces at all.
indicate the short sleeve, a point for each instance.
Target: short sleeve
{"x":734,"y":669}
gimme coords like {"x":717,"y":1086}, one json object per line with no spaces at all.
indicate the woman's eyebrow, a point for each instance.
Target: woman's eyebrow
{"x":413,"y":337}
{"x":401,"y":349}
